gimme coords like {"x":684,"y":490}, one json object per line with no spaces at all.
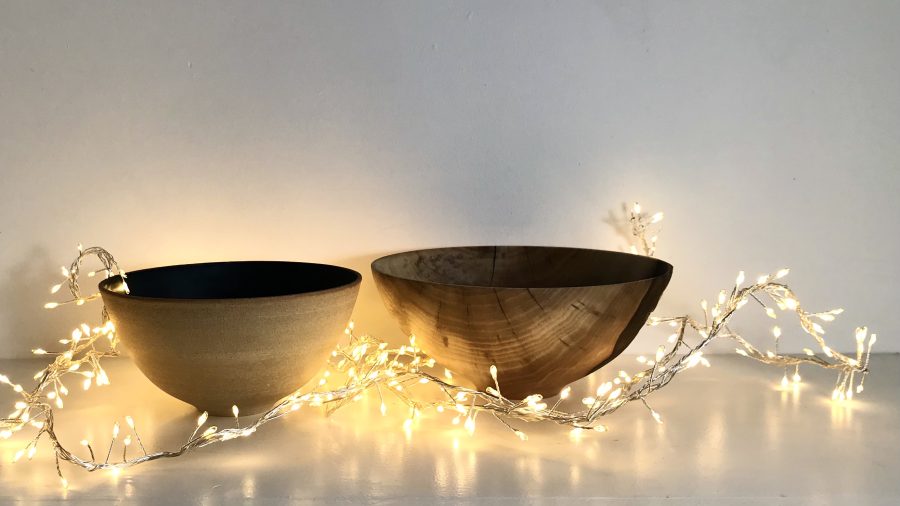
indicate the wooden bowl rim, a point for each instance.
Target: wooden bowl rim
{"x":104,"y":285}
{"x":666,"y":269}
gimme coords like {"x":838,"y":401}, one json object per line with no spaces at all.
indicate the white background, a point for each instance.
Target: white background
{"x":341,"y":131}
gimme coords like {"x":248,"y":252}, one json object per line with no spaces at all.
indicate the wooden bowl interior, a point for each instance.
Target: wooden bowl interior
{"x":519,"y":267}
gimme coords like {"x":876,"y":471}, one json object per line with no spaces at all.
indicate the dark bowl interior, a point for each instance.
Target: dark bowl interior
{"x":233,"y":280}
{"x":520,"y":267}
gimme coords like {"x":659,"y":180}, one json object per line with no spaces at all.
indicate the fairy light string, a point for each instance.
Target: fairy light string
{"x":366,"y":363}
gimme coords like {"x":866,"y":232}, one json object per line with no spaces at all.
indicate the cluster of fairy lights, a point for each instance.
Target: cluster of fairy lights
{"x":368,"y":364}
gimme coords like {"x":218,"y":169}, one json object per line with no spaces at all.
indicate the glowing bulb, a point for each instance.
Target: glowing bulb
{"x":564,"y":394}
{"x":776,"y":331}
{"x":39,"y":351}
{"x":796,"y":377}
{"x":656,"y":416}
{"x":602,"y":389}
{"x":739,"y":279}
{"x":383,"y":409}
{"x":660,"y":352}
{"x":521,"y":435}
{"x":470,"y":425}
{"x":494,"y":372}
{"x":235,"y":411}
{"x":115,"y":431}
{"x":784,"y":381}
{"x":636,"y":208}
{"x":209,"y":432}
{"x":790,"y":303}
{"x":782,"y":273}
{"x":771,"y":313}
{"x":202,"y":419}
{"x":656,"y":218}
{"x":51,"y":305}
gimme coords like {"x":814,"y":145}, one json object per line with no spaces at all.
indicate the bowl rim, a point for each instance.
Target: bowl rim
{"x":667,"y":268}
{"x":104,"y":288}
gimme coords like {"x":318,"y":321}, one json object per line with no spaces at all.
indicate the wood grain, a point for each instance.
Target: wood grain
{"x":545,"y":316}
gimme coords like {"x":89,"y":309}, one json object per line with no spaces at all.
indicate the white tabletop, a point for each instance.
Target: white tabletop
{"x":730,"y":437}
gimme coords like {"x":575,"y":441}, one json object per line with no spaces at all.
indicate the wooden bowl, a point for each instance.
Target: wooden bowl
{"x":544,"y":316}
{"x":232,"y":333}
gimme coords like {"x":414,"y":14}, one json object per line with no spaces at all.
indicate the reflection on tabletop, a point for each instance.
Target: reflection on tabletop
{"x":729,"y":430}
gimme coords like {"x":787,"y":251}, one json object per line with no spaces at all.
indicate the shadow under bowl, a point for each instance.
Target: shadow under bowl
{"x":232,"y":333}
{"x":545,"y":316}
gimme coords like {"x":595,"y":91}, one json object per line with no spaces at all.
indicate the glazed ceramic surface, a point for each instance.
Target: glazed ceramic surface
{"x":545,"y":316}
{"x":232,"y":333}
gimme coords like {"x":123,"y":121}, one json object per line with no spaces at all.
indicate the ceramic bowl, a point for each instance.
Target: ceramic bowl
{"x":545,"y":316}
{"x":232,"y":333}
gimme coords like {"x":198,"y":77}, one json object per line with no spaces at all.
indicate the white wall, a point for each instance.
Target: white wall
{"x":340,"y":131}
